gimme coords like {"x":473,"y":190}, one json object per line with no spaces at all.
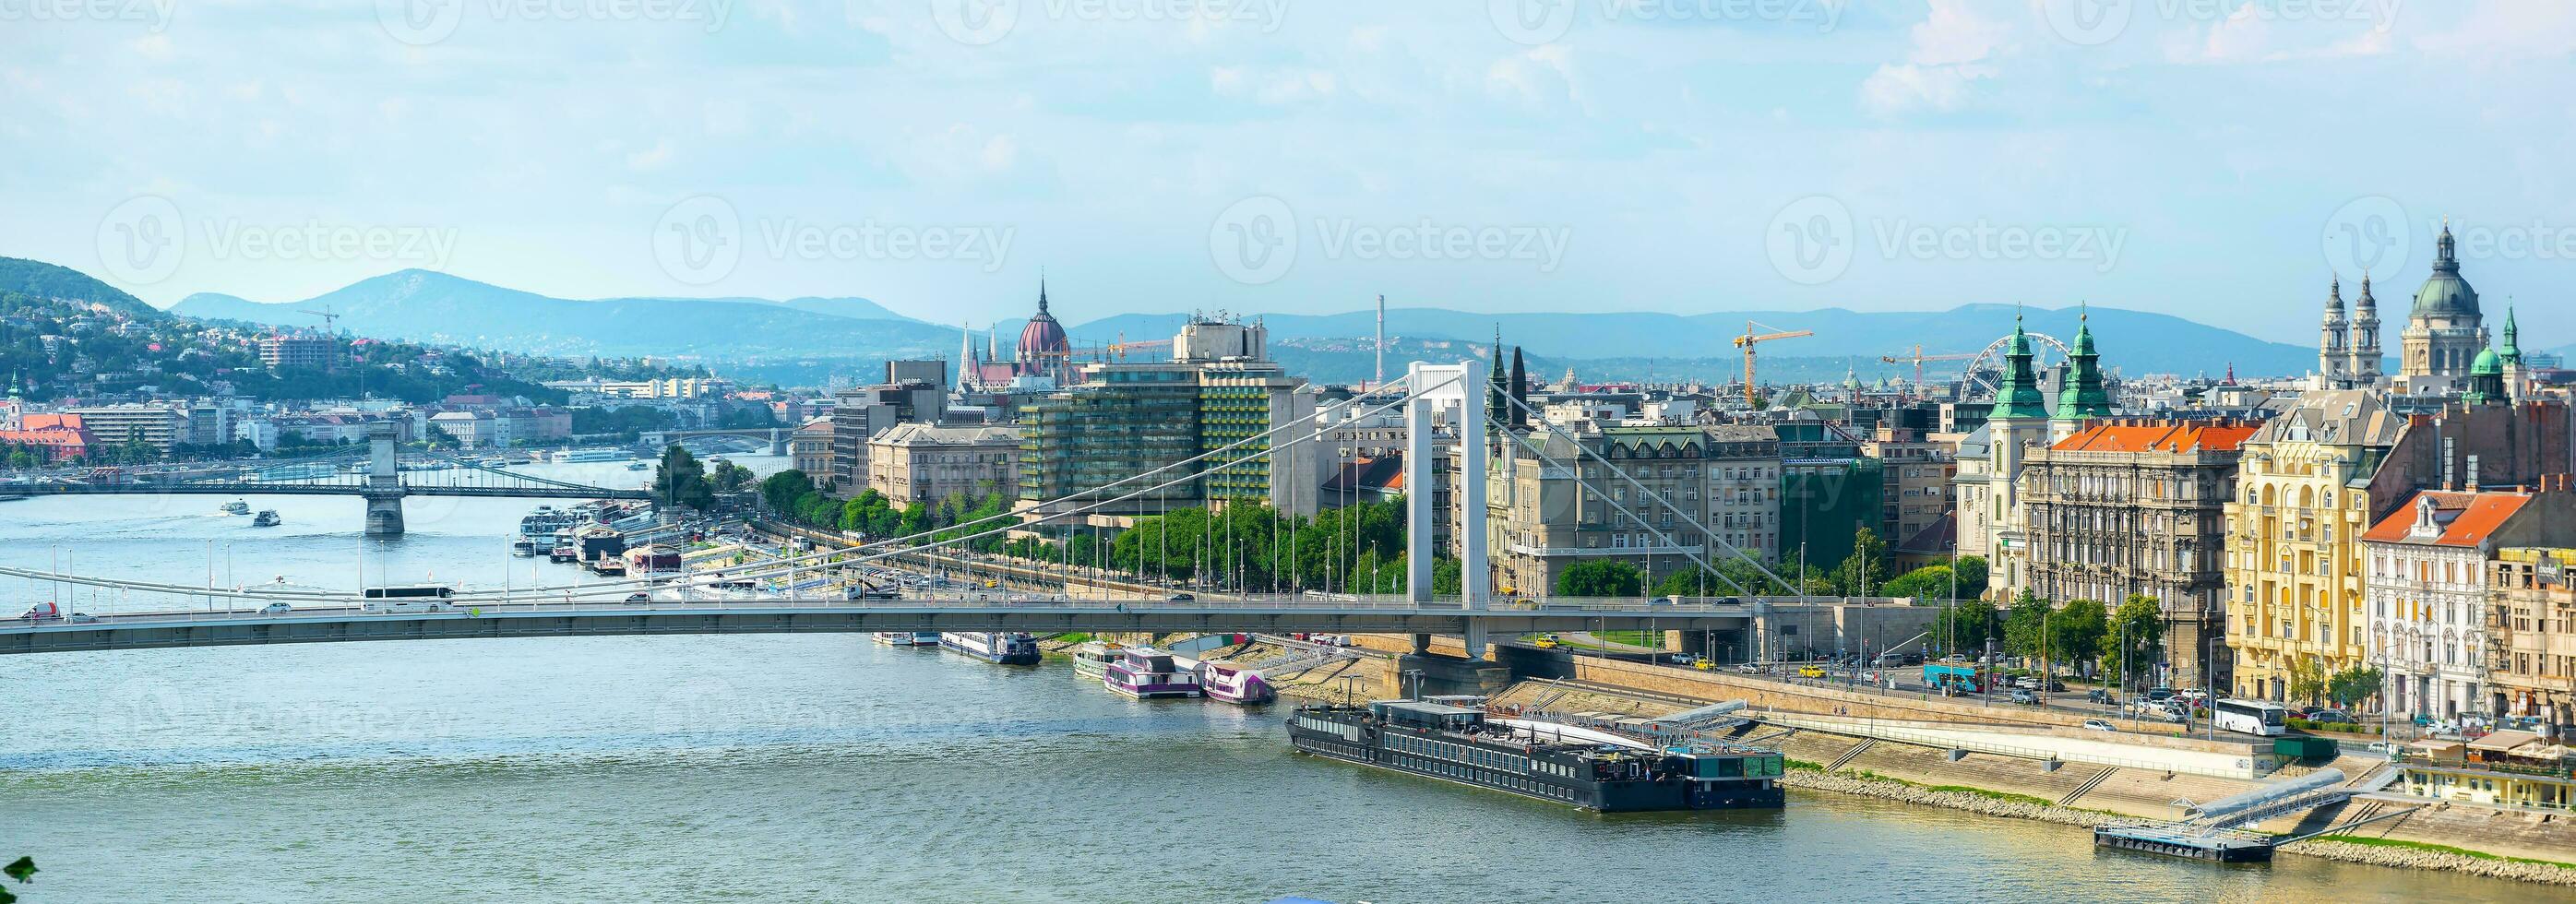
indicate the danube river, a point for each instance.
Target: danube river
{"x":825,"y":768}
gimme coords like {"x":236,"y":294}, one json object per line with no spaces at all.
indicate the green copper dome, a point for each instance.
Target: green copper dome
{"x":2081,"y":395}
{"x":2020,"y":397}
{"x":2445,"y":292}
{"x":2488,"y":363}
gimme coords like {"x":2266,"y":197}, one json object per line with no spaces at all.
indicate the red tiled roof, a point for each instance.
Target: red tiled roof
{"x":2474,"y":518}
{"x":2173,"y":437}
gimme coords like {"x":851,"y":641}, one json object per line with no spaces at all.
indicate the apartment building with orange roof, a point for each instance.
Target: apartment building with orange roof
{"x":2132,"y":506}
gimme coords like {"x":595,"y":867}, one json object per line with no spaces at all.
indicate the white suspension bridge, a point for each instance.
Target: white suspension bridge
{"x":1458,"y":394}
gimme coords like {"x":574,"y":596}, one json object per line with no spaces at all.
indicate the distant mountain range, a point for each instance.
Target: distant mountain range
{"x":422,"y":306}
{"x":808,"y":339}
{"x":2134,"y":342}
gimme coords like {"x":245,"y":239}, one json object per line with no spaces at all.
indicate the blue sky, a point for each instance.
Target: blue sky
{"x":2212,"y":159}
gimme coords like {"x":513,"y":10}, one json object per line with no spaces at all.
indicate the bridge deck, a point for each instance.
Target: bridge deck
{"x":329,"y":623}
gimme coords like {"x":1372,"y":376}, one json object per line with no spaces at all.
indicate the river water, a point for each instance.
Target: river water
{"x":826,"y":768}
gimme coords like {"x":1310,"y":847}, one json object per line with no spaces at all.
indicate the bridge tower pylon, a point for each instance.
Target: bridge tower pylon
{"x":384,"y":489}
{"x":1460,"y":390}
{"x":777,"y":441}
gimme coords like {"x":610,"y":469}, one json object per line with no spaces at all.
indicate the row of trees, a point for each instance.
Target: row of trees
{"x":1355,"y":549}
{"x":681,"y":481}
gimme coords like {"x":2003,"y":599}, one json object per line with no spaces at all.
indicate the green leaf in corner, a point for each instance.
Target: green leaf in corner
{"x":7,"y":898}
{"x":22,"y":869}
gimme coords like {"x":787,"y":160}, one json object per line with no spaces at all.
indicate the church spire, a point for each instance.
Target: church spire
{"x":2081,"y":395}
{"x":2020,"y":397}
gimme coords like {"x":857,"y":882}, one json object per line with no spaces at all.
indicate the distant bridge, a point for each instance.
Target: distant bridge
{"x":776,"y":437}
{"x":382,"y":484}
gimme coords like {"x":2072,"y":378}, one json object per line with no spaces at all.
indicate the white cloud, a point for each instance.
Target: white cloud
{"x":1946,"y":55}
{"x":1536,"y":77}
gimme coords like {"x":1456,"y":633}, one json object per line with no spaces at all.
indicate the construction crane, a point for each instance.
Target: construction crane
{"x":1753,"y":337}
{"x":1918,"y":357}
{"x":329,"y":318}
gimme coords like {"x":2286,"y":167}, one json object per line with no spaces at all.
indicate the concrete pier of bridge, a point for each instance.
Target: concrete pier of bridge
{"x":384,"y":492}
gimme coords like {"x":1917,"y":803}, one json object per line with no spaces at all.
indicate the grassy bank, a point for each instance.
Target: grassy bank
{"x":2439,"y":849}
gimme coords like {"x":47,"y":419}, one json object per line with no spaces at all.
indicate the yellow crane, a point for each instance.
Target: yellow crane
{"x":1753,"y":336}
{"x":1917,"y":359}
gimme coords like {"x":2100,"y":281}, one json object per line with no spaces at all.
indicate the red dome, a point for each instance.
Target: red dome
{"x":1043,"y":339}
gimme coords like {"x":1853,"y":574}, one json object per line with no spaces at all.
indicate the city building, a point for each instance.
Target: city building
{"x":1542,"y":520}
{"x":1209,"y":402}
{"x":284,"y":351}
{"x":1917,"y":492}
{"x":2294,"y":591}
{"x":859,"y":414}
{"x":1828,"y":492}
{"x":157,"y":426}
{"x":2138,"y":508}
{"x":2531,"y":635}
{"x":1989,"y":468}
{"x":925,"y":464}
{"x":809,"y":449}
{"x":2444,"y":330}
{"x":53,"y":437}
{"x":2427,"y":589}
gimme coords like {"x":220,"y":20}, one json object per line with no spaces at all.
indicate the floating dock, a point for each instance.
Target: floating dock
{"x":2213,"y":845}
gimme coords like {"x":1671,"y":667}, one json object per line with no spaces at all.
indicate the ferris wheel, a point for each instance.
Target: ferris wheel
{"x":1985,"y":371}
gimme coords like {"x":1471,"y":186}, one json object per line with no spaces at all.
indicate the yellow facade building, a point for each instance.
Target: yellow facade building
{"x":2294,"y":553}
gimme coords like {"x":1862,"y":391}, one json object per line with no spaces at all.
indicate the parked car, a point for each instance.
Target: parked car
{"x":2159,"y":694}
{"x":2098,"y":695}
{"x":2383,"y":747}
{"x":2099,"y":725}
{"x":2330,"y":716}
{"x":2025,"y":697}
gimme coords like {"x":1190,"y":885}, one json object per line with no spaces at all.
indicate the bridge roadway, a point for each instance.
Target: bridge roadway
{"x":334,"y":621}
{"x":253,"y":488}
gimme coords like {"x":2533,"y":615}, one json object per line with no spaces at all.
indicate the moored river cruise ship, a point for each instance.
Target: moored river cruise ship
{"x":1589,"y":769}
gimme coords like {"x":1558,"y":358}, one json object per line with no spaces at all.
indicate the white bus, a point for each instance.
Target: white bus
{"x":2253,"y":717}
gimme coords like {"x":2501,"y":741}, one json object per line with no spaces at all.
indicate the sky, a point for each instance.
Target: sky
{"x":2214,"y":159}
